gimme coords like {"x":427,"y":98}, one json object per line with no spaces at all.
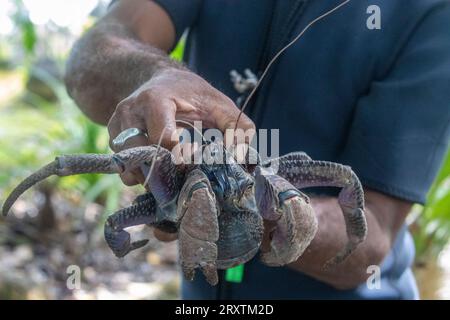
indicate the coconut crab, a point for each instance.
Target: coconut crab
{"x":218,"y":209}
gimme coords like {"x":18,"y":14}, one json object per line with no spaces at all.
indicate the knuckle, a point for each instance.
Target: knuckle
{"x":113,"y":124}
{"x":250,"y":125}
{"x":147,"y":96}
{"x":228,"y":102}
{"x":123,"y":108}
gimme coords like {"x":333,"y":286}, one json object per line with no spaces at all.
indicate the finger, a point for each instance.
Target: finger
{"x":161,"y":124}
{"x":226,"y":120}
{"x":114,"y":129}
{"x":226,"y":116}
{"x":124,"y":118}
{"x":164,"y":236}
{"x":132,"y":177}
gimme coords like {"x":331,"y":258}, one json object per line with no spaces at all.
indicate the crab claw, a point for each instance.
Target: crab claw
{"x":143,"y":211}
{"x":289,"y":219}
{"x":199,"y":229}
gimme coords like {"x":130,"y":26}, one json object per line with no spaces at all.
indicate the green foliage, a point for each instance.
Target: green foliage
{"x":27,"y":28}
{"x":32,"y":137}
{"x":178,"y":53}
{"x":431,"y":228}
{"x":29,"y":37}
{"x":33,"y":130}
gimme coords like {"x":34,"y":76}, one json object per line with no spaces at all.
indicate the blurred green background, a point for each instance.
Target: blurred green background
{"x":59,"y":223}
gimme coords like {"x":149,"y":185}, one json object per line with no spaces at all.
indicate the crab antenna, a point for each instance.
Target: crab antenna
{"x":154,"y":157}
{"x":280,"y":52}
{"x":40,"y":175}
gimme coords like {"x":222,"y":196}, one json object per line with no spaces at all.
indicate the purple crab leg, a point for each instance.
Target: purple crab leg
{"x":164,"y":182}
{"x":64,"y":166}
{"x":303,"y":172}
{"x":143,"y":211}
{"x":163,"y":179}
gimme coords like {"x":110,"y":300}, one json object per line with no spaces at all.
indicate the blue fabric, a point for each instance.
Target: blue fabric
{"x":377,"y":100}
{"x":263,"y":282}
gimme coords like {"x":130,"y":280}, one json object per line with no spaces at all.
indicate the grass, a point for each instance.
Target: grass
{"x":431,"y":223}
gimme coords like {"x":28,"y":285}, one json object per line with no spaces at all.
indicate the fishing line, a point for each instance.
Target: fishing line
{"x":280,"y":52}
{"x":160,"y":141}
{"x":252,"y":93}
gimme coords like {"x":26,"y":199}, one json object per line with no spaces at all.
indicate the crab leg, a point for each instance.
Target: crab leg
{"x":164,"y":182}
{"x":64,"y":166}
{"x":143,"y":211}
{"x":163,"y":179}
{"x":290,"y":220}
{"x":199,"y":229}
{"x":303,"y":173}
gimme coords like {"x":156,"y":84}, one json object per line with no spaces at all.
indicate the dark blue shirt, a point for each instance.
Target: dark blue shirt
{"x":377,"y":100}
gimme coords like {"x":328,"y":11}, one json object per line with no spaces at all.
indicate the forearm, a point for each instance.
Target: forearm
{"x":331,"y":237}
{"x":107,"y":65}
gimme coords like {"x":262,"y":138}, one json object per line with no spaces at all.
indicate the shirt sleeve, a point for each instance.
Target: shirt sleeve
{"x":183,"y":13}
{"x":401,"y":128}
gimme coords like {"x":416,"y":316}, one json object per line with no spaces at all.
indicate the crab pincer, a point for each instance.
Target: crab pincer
{"x":303,"y":172}
{"x":199,"y":229}
{"x":289,"y":217}
{"x":143,"y":211}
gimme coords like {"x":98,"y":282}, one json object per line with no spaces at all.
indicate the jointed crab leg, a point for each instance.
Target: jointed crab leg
{"x":303,"y":173}
{"x":163,"y":179}
{"x":64,"y":166}
{"x":164,"y":182}
{"x":143,"y":211}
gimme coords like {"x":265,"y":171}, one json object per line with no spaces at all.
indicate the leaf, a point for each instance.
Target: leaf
{"x":431,"y":229}
{"x":29,"y":37}
{"x":178,"y":53}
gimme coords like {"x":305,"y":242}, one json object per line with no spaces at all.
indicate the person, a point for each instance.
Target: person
{"x":374,"y":98}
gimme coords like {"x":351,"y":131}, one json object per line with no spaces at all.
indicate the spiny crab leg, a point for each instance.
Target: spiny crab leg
{"x":67,"y":165}
{"x":143,"y":211}
{"x":64,"y":166}
{"x":303,"y":172}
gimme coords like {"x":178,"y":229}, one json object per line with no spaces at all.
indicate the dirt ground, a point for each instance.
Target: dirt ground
{"x":39,"y":257}
{"x":36,"y":263}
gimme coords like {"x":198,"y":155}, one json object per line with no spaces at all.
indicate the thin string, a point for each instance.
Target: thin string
{"x":159,"y":146}
{"x":272,"y":61}
{"x":280,"y":52}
